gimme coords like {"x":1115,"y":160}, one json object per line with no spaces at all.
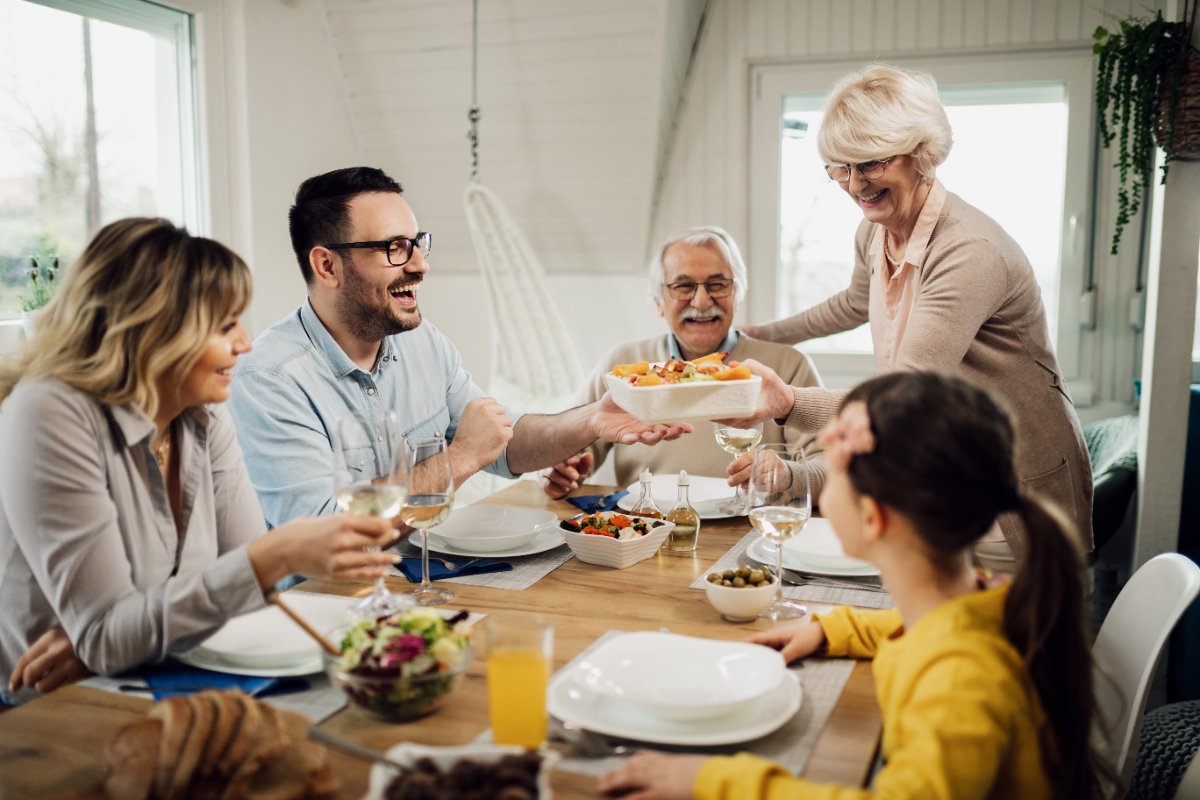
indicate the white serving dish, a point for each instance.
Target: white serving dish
{"x":764,"y":552}
{"x":819,"y":546}
{"x":408,"y":753}
{"x":605,"y":551}
{"x":680,"y":678}
{"x":704,"y":493}
{"x":740,"y":605}
{"x":572,"y":703}
{"x":548,"y":537}
{"x":698,"y":401}
{"x":491,"y":529}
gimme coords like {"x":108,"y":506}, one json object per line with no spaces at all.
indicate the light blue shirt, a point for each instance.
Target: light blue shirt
{"x":290,"y":390}
{"x":726,"y":346}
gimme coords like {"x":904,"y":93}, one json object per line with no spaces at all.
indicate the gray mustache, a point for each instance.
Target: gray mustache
{"x":712,"y":312}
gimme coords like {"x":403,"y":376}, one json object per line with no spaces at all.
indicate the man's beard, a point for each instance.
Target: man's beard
{"x":368,"y":317}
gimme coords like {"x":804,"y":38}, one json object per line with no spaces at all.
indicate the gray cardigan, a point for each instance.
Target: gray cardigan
{"x":978,"y":315}
{"x":87,"y":539}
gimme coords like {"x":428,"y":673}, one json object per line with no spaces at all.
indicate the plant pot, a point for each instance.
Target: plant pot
{"x":1186,"y":144}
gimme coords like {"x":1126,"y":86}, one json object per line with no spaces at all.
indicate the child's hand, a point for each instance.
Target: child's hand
{"x":794,"y":641}
{"x":654,"y":776}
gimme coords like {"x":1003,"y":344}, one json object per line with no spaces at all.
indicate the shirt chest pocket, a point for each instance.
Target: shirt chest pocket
{"x":360,"y":463}
{"x":436,"y":423}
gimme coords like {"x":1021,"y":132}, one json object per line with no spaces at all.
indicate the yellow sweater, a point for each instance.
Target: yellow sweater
{"x":960,"y":714}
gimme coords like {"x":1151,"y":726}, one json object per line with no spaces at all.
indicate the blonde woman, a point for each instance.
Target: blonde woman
{"x":129,"y":528}
{"x":944,"y":288}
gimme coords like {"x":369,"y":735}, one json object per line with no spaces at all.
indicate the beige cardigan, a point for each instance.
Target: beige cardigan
{"x":698,"y":452}
{"x":978,"y":315}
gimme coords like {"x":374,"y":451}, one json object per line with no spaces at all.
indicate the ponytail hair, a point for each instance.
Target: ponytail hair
{"x":943,"y":457}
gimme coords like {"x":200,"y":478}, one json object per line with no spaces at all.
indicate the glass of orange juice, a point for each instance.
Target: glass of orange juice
{"x":519,"y":651}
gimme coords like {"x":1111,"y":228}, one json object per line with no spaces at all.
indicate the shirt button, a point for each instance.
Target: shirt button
{"x":381,"y":438}
{"x":362,"y":463}
{"x":370,"y":391}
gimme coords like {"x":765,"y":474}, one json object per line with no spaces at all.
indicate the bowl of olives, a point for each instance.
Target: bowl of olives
{"x":742,"y":593}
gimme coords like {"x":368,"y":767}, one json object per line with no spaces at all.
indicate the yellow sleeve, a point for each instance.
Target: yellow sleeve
{"x":747,"y":777}
{"x":858,"y":634}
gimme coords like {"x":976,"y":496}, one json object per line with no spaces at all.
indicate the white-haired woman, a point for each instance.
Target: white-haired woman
{"x":129,"y":528}
{"x":944,"y":288}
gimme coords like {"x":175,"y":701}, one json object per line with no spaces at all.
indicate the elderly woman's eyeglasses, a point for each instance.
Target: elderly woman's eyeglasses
{"x":867,"y":169}
{"x":686,"y":290}
{"x":399,"y":250}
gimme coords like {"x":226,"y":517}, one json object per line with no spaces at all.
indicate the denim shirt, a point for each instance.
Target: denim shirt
{"x":726,"y":346}
{"x":293,"y":387}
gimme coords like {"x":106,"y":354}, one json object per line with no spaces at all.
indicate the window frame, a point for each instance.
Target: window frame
{"x":1070,"y":66}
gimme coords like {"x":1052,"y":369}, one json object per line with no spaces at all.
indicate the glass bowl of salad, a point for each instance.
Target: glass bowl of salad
{"x":401,"y":666}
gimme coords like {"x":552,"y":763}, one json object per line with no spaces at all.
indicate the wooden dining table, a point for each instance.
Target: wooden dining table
{"x":52,"y":746}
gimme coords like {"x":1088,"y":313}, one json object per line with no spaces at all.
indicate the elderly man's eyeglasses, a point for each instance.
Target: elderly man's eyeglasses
{"x":686,"y":290}
{"x":867,"y":169}
{"x":399,"y":250}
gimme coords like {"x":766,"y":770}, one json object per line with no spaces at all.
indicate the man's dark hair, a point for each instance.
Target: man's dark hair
{"x":321,"y":214}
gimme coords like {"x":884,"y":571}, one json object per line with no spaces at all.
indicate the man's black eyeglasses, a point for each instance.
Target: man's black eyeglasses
{"x":399,"y":250}
{"x":686,"y":290}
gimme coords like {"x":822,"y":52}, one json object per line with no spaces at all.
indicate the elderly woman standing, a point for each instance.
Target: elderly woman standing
{"x":944,"y":287}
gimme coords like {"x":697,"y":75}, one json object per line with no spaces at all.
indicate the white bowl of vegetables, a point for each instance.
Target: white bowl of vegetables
{"x":404,"y":665}
{"x":613,"y":539}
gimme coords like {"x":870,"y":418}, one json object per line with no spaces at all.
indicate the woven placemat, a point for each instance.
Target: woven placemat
{"x":526,"y":570}
{"x":835,"y":595}
{"x":821,"y":680}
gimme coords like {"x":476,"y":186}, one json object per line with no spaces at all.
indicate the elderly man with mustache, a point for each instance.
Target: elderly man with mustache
{"x":697,"y":280}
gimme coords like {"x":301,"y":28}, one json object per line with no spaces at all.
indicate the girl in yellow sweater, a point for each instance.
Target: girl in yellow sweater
{"x":986,"y":692}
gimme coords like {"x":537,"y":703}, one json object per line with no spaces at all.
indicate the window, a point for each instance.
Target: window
{"x":97,"y":122}
{"x":1020,"y":155}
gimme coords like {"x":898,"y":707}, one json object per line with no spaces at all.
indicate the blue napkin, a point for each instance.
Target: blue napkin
{"x":411,"y":569}
{"x":176,"y":674}
{"x":585,"y":503}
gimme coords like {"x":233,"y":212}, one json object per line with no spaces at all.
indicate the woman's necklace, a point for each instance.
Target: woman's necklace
{"x":163,"y":451}
{"x":887,"y":251}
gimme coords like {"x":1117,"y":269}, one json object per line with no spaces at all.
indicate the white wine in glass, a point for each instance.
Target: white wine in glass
{"x":736,"y":442}
{"x":370,"y":478}
{"x":429,"y":500}
{"x":781,"y":504}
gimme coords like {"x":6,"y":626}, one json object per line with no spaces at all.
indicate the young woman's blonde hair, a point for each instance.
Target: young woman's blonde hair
{"x":885,"y":111}
{"x":138,"y":307}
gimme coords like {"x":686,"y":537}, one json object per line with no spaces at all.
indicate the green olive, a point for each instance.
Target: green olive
{"x":743,"y":571}
{"x":739,"y":582}
{"x":713,"y":577}
{"x":756,"y":576}
{"x":728,"y":575}
{"x":726,"y":583}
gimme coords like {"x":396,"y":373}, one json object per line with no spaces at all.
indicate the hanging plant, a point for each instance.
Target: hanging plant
{"x":1142,"y":67}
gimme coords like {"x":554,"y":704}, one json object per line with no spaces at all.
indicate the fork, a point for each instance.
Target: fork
{"x":800,"y":579}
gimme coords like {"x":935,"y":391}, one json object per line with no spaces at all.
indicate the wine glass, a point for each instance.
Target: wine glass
{"x":370,"y":475}
{"x":780,"y":505}
{"x":430,"y":497}
{"x":737,"y":441}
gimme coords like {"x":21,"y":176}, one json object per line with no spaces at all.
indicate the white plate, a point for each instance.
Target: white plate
{"x":627,"y":502}
{"x":491,"y":529}
{"x":761,"y":551}
{"x":570,"y":702}
{"x":198,"y":657}
{"x":547,"y":539}
{"x":817,"y":544}
{"x":263,"y":639}
{"x":704,"y":493}
{"x":680,"y":677}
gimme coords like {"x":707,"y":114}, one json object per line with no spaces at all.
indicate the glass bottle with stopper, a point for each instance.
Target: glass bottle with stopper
{"x":645,"y":506}
{"x":687,"y":522}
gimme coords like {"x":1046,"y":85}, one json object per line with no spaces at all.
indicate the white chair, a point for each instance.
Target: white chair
{"x":1128,"y":647}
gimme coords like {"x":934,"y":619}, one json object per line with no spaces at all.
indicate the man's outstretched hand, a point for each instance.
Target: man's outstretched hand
{"x":612,"y":423}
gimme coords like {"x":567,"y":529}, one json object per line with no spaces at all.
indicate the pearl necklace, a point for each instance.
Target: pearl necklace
{"x":887,"y":251}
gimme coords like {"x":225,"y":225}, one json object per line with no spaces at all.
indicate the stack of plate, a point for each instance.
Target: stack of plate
{"x":669,"y":689}
{"x":815,"y":550}
{"x":497,"y":532}
{"x":705,"y":494}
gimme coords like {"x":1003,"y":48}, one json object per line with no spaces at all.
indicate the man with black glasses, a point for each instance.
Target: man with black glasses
{"x":697,"y":280}
{"x":358,"y":344}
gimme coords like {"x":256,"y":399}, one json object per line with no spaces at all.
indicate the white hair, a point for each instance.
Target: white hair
{"x":885,"y":111}
{"x":700,"y":237}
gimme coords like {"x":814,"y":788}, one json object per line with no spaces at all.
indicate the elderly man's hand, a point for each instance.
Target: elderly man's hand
{"x":654,"y":776}
{"x":565,"y":477}
{"x":612,"y":423}
{"x":775,"y":400}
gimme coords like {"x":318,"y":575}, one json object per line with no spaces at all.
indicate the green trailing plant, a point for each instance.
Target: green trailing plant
{"x":1133,"y":61}
{"x":43,"y":282}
